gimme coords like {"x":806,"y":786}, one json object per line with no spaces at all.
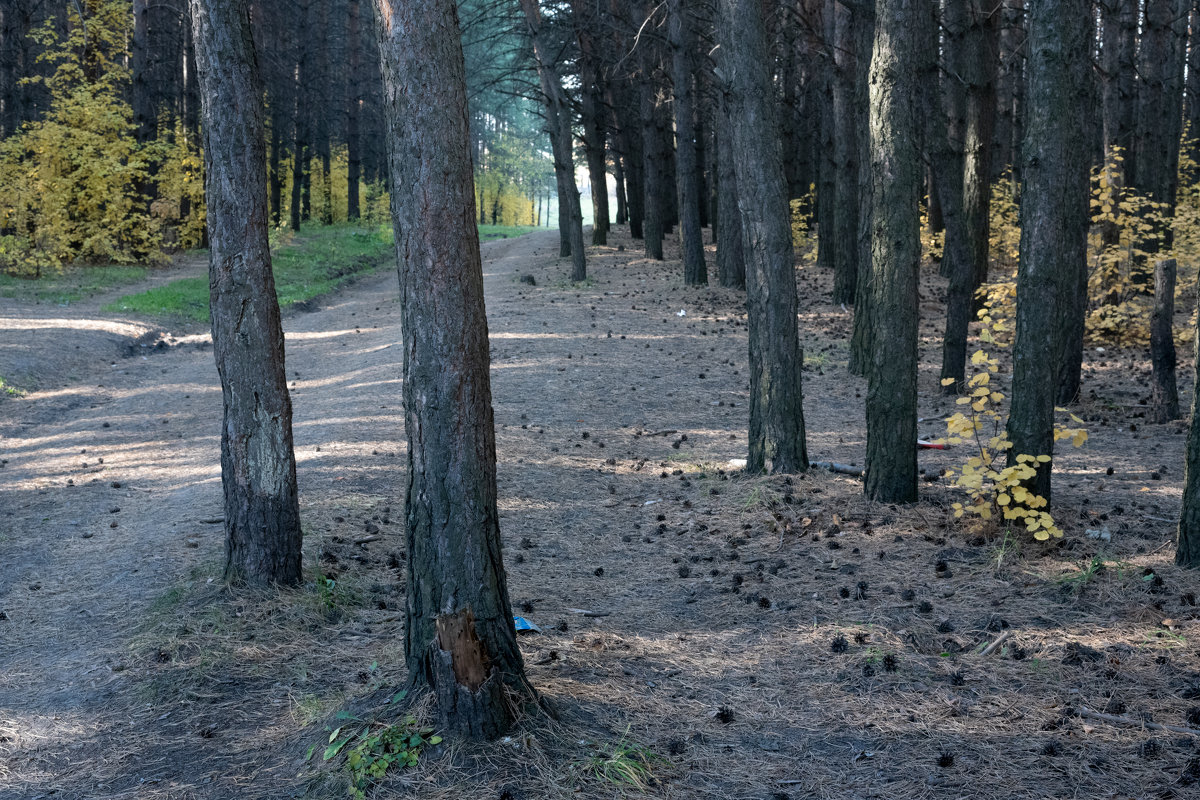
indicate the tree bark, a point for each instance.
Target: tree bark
{"x":653,"y":224}
{"x":1155,"y":170}
{"x":558,"y":122}
{"x":258,"y":468}
{"x":353,"y":148}
{"x":1054,"y":217}
{"x":687,"y":168}
{"x":459,"y":637}
{"x":896,"y":173}
{"x":731,"y":254}
{"x":777,"y":441}
{"x":945,"y":130}
{"x":593,"y":113}
{"x":1164,"y":396}
{"x":850,"y":129}
{"x":982,"y":43}
{"x":1187,"y":543}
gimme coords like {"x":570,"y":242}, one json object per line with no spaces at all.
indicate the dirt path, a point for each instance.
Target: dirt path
{"x":125,"y":672}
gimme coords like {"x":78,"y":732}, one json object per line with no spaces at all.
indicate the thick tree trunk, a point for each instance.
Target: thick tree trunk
{"x":777,"y":441}
{"x":1054,"y":216}
{"x":687,"y":168}
{"x":1187,"y":545}
{"x":558,"y":120}
{"x":258,"y":468}
{"x":459,"y":636}
{"x":895,"y":167}
{"x":1164,"y":396}
{"x":1191,"y":109}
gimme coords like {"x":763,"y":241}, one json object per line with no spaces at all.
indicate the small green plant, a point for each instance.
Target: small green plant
{"x":327,"y":591}
{"x":1095,"y":567}
{"x":626,"y":763}
{"x":376,"y":748}
{"x":10,"y":391}
{"x":991,"y":486}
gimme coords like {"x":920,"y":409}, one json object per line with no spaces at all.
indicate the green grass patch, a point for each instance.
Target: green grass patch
{"x":489,"y":232}
{"x":69,"y":285}
{"x":313,"y":263}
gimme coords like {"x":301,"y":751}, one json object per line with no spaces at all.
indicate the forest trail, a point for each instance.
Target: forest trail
{"x":126,"y":673}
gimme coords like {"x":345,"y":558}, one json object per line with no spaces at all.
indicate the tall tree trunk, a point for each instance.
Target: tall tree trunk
{"x":619,"y":176}
{"x":1118,"y":31}
{"x":459,"y":637}
{"x":1191,"y":109}
{"x":274,"y":174}
{"x":142,"y":92}
{"x":687,"y":172}
{"x":850,"y":127}
{"x":945,"y":130}
{"x":558,"y":121}
{"x":1187,"y":544}
{"x":353,"y":153}
{"x":1159,"y":120}
{"x":593,"y":114}
{"x":893,"y":314}
{"x":777,"y":441}
{"x":300,"y":127}
{"x":982,"y":42}
{"x":1164,"y":394}
{"x":652,"y":150}
{"x":258,"y":468}
{"x":731,"y":253}
{"x":1054,"y":216}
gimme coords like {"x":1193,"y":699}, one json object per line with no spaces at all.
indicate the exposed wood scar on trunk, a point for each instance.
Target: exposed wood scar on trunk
{"x":456,"y":636}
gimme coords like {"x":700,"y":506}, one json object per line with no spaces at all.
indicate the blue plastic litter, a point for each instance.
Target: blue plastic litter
{"x":523,"y":624}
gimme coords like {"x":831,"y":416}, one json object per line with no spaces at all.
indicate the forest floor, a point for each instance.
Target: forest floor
{"x":749,"y":637}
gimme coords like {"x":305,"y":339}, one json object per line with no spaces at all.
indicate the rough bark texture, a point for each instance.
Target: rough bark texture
{"x":776,"y":403}
{"x":591,"y":94}
{"x":1054,"y":216}
{"x":1187,"y":545}
{"x":892,"y":312}
{"x":982,"y":56}
{"x":353,"y":148}
{"x":558,"y":123}
{"x":1155,"y":169}
{"x":654,"y":224}
{"x":687,"y":167}
{"x":1118,"y":27}
{"x":258,"y":468}
{"x":459,"y":637}
{"x":731,"y":253}
{"x":850,"y":124}
{"x":1164,"y":395}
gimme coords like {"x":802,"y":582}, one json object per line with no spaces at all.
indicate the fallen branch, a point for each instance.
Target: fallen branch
{"x":833,"y":466}
{"x":587,"y":613}
{"x":212,"y":520}
{"x":366,"y":539}
{"x":660,"y":433}
{"x":991,"y":648}
{"x":1114,"y":719}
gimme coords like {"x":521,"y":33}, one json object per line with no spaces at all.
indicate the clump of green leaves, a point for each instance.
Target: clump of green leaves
{"x":993,"y":487}
{"x":625,"y":764}
{"x":375,"y":748}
